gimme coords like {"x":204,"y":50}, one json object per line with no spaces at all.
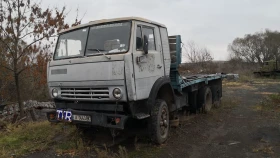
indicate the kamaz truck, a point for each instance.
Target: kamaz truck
{"x":106,"y":72}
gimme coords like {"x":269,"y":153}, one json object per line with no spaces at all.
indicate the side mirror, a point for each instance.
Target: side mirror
{"x":146,"y":44}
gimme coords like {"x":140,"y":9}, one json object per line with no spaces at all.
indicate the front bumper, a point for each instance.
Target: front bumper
{"x":97,"y":119}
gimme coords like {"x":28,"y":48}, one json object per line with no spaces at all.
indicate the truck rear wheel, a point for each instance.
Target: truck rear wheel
{"x":208,"y":100}
{"x":216,"y":96}
{"x":159,"y":123}
{"x":205,"y":99}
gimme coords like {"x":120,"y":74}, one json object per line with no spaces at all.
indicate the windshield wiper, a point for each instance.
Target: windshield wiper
{"x":99,"y":51}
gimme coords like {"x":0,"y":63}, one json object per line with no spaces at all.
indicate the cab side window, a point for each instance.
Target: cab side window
{"x":145,"y":31}
{"x":139,"y":43}
{"x":149,"y":32}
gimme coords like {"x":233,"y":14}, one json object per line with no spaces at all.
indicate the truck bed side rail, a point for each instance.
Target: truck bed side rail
{"x":194,"y":79}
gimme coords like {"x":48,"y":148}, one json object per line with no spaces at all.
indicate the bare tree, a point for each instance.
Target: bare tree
{"x":23,"y":27}
{"x":196,"y":54}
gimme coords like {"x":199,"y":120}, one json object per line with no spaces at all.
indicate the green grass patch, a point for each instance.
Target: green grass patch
{"x":275,"y":98}
{"x":63,"y":139}
{"x":30,"y":137}
{"x":270,"y":103}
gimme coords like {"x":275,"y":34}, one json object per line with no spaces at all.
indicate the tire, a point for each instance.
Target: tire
{"x":159,"y":122}
{"x":205,"y":99}
{"x":216,"y":96}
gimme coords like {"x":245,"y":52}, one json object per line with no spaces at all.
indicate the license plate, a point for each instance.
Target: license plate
{"x":84,"y":118}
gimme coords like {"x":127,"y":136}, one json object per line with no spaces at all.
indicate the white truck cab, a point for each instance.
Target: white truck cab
{"x":108,"y":54}
{"x":107,"y":71}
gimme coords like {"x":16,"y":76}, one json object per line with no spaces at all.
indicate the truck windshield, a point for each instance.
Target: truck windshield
{"x":95,"y":40}
{"x":71,"y":44}
{"x":108,"y":38}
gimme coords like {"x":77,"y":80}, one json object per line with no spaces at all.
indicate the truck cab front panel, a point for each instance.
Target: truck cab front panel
{"x":92,"y":81}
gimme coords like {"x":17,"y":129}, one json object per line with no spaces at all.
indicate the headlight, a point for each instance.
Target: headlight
{"x":55,"y":92}
{"x":117,"y":93}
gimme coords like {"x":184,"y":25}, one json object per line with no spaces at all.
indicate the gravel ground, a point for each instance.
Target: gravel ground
{"x":240,"y":131}
{"x":236,"y":129}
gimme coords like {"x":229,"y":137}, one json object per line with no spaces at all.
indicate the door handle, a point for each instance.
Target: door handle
{"x":159,"y":66}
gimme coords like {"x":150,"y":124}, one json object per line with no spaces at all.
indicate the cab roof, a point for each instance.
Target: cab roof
{"x":111,"y":20}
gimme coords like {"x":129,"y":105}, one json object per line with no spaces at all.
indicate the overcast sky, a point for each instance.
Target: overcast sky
{"x":210,"y":23}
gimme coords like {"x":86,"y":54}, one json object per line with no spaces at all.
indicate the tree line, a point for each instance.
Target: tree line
{"x":244,"y":52}
{"x":256,"y":48}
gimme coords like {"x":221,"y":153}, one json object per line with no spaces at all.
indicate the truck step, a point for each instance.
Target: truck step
{"x":141,"y":116}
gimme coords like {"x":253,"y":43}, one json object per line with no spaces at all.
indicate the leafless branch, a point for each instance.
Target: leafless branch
{"x":26,"y":35}
{"x":7,"y":68}
{"x":25,"y":26}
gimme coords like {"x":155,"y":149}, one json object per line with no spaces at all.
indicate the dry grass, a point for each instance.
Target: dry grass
{"x":29,"y":137}
{"x":232,"y":84}
{"x":250,"y":78}
{"x":63,"y":139}
{"x":146,"y":151}
{"x":247,"y":77}
{"x":270,"y":103}
{"x":265,"y":93}
{"x":107,"y":153}
{"x":239,"y":85}
{"x":266,"y":81}
{"x":229,"y":102}
{"x":265,"y":149}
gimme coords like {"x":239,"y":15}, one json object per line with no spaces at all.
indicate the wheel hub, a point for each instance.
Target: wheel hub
{"x":163,"y":121}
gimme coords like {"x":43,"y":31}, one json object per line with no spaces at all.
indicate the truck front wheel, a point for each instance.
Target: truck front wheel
{"x":159,"y":122}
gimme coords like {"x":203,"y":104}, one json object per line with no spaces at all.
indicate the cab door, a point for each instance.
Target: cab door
{"x":147,"y":67}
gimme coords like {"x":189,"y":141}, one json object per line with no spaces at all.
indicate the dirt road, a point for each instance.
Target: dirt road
{"x":238,"y":129}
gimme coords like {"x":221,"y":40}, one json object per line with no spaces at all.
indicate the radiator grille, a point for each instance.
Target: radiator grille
{"x":85,"y":93}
